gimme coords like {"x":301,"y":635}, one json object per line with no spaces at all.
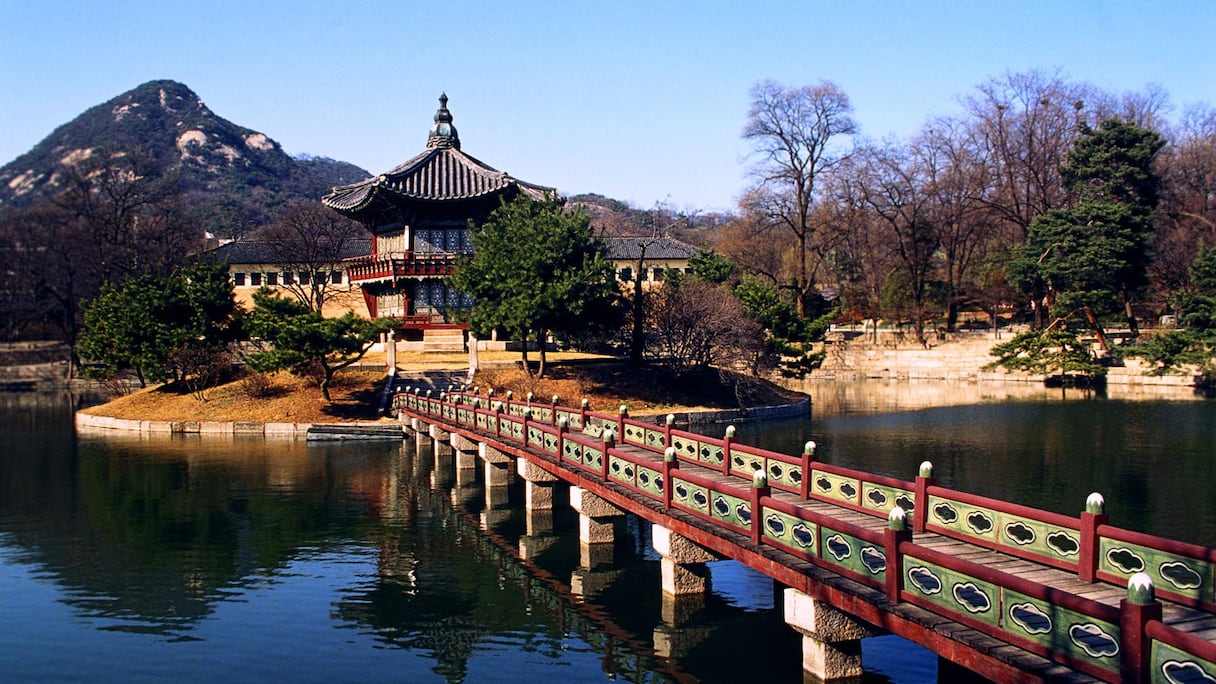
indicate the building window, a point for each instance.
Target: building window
{"x":304,"y":277}
{"x":238,"y":279}
{"x":255,"y":279}
{"x":626,"y":274}
{"x":288,"y":278}
{"x":335,"y":277}
{"x":272,"y":279}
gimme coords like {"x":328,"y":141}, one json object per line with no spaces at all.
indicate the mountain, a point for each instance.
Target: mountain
{"x":232,"y":178}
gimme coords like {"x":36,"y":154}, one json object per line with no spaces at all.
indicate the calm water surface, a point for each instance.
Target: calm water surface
{"x":201,"y":559}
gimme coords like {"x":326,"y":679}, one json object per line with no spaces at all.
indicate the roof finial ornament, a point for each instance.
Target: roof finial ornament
{"x":443,"y":133}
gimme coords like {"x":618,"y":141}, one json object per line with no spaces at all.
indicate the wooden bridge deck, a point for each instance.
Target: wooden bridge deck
{"x":1031,"y":612}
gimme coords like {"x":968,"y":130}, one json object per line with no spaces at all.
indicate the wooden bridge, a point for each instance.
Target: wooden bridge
{"x":1010,"y":592}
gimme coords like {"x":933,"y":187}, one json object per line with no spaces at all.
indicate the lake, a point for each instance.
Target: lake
{"x":199,"y":559}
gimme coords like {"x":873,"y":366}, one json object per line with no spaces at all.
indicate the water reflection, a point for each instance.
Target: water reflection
{"x":129,"y":557}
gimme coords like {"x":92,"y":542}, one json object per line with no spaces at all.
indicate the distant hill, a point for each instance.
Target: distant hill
{"x":231,"y":177}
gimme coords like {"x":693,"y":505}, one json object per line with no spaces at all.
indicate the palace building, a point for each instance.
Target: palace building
{"x":419,"y":215}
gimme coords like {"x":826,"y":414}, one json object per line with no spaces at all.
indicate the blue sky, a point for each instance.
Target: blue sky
{"x":641,"y":101}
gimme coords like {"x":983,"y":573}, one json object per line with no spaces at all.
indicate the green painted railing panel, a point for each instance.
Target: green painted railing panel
{"x":786,"y":530}
{"x":536,"y":437}
{"x":634,"y":434}
{"x":1170,"y":572}
{"x":953,"y":591}
{"x":882,"y":498}
{"x":744,"y":465}
{"x":654,"y":438}
{"x":1169,"y":664}
{"x":703,"y":452}
{"x":731,"y":509}
{"x":621,"y":470}
{"x":837,"y":487}
{"x":650,"y":481}
{"x":574,"y":419}
{"x":689,"y":495}
{"x":852,"y":553}
{"x":572,"y":452}
{"x":784,"y":475}
{"x":1060,"y":629}
{"x":965,"y":519}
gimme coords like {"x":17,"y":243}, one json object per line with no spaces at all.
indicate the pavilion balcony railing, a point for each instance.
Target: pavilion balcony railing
{"x":402,"y":264}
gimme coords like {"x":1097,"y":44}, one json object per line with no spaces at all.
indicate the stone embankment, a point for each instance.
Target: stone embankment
{"x":957,"y":357}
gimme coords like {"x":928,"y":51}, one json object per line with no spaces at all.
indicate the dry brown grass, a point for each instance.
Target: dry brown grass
{"x":356,"y":396}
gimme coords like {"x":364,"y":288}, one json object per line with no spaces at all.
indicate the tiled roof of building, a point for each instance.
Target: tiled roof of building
{"x":441,"y":172}
{"x":621,"y":248}
{"x":264,"y":252}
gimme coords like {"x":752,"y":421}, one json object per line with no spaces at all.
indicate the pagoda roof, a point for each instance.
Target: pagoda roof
{"x":441,"y":173}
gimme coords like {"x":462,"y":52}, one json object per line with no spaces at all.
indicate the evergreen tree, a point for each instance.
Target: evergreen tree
{"x":1093,"y":257}
{"x":306,"y":343}
{"x":536,"y":271}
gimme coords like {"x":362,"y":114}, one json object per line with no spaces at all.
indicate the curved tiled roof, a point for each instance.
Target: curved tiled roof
{"x":440,"y":173}
{"x":657,"y":248}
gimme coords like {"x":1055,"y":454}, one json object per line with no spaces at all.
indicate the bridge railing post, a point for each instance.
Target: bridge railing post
{"x":622,"y":414}
{"x":671,"y":419}
{"x":924,"y":480}
{"x":582,"y":413}
{"x":563,"y":424}
{"x":760,"y":489}
{"x":670,"y":464}
{"x":726,"y":440}
{"x":497,"y":406}
{"x":1087,"y":555}
{"x":609,"y":442}
{"x":808,"y":458}
{"x":1135,"y":612}
{"x":896,"y":533}
{"x":526,"y":416}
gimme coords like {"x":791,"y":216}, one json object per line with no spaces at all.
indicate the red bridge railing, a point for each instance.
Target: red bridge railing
{"x":1127,"y":643}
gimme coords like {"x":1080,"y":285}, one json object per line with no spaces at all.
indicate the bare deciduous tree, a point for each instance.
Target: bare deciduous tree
{"x":700,"y":324}
{"x":795,"y":132}
{"x":309,"y":242}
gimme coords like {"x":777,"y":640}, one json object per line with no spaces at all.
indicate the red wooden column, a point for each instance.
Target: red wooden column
{"x":726,"y":441}
{"x":670,"y":464}
{"x":760,"y":489}
{"x":896,"y":533}
{"x":808,"y":458}
{"x":924,"y":480}
{"x":1093,"y":517}
{"x":1135,"y":612}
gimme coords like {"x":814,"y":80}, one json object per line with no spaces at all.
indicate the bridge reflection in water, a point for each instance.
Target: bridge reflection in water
{"x":1004,"y":590}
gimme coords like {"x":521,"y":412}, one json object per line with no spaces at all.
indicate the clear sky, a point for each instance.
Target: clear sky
{"x":641,"y":101}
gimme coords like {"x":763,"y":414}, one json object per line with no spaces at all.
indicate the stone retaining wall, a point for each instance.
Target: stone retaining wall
{"x":87,"y":422}
{"x":959,"y":357}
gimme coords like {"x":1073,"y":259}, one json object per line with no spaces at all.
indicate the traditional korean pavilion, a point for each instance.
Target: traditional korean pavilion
{"x":419,"y":216}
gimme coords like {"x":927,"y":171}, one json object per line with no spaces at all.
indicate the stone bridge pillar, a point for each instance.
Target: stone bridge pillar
{"x":466,"y":459}
{"x":597,"y":523}
{"x":596,"y":517}
{"x":683,"y":562}
{"x":538,"y":485}
{"x":831,"y":639}
{"x":538,"y":508}
{"x":498,"y":475}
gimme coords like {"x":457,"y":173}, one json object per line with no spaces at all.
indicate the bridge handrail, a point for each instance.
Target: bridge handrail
{"x":1079,"y":632}
{"x":1074,"y":630}
{"x":1074,"y":544}
{"x":1162,"y":660}
{"x":1181,"y":571}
